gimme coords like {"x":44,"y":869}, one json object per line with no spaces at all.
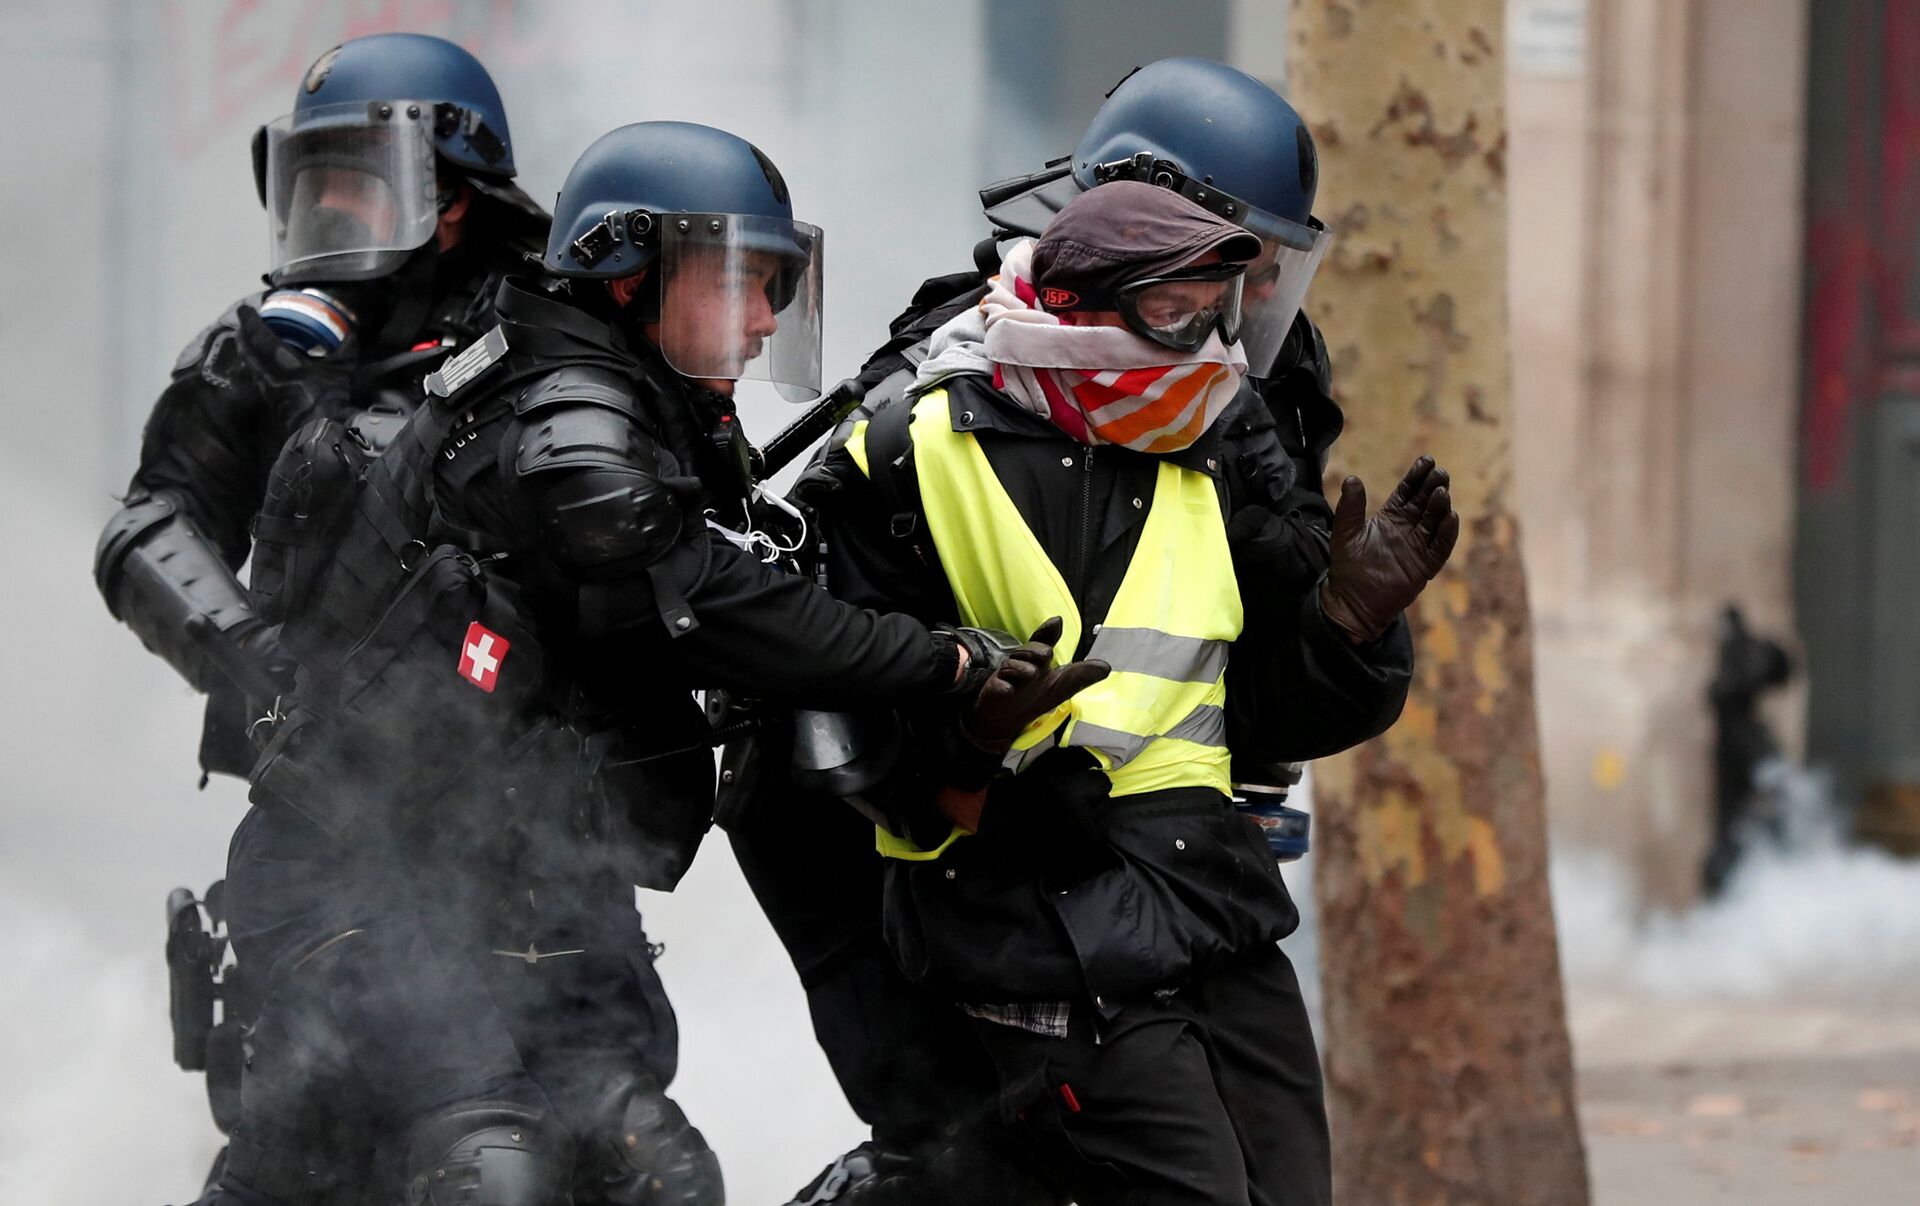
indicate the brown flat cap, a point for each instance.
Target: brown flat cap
{"x":1128,"y":230}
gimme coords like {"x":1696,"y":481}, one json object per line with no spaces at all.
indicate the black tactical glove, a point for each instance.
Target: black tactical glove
{"x":249,"y":654}
{"x":281,"y":367}
{"x":980,"y":652}
{"x":1019,"y":687}
{"x":1380,"y":565}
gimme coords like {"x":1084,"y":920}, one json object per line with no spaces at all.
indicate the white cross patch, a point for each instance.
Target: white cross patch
{"x":481,"y":654}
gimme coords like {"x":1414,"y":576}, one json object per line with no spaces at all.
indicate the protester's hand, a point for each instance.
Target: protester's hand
{"x":1023,"y":687}
{"x":1381,"y":564}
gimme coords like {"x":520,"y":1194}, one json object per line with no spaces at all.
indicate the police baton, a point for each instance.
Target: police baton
{"x":798,"y":436}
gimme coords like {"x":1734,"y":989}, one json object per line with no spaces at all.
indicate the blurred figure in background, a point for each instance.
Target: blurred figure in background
{"x":1748,"y":667}
{"x":393,"y":215}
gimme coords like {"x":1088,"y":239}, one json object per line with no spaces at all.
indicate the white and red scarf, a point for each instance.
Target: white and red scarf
{"x":1100,"y":385}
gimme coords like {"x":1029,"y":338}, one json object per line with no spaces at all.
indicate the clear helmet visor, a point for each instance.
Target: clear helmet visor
{"x":740,"y":300}
{"x":350,"y":190}
{"x":1275,"y":285}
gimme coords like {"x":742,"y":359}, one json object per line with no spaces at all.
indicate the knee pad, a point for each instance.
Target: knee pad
{"x":487,"y":1153}
{"x":865,"y":1176}
{"x":654,"y":1158}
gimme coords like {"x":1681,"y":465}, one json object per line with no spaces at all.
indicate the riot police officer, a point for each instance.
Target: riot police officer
{"x":1230,"y":143}
{"x":393,"y":214}
{"x":492,"y":736}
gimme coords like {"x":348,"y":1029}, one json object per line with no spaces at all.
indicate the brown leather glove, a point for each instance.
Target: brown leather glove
{"x":1380,"y":565}
{"x":1022,"y":688}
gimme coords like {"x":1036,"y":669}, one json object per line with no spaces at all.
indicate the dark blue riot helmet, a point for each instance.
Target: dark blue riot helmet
{"x":733,"y":284}
{"x":469,"y":122}
{"x":354,"y":178}
{"x":1218,"y":137}
{"x":1208,"y":130}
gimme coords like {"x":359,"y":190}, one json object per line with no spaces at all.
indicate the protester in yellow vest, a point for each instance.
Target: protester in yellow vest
{"x":1082,"y":886}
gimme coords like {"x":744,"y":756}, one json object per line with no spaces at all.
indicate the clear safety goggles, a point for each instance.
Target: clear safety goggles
{"x":349,"y":189}
{"x":740,"y":298}
{"x":1276,"y":281}
{"x":1180,"y":309}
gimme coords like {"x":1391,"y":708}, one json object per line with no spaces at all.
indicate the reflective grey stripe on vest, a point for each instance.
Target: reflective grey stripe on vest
{"x":1018,"y":760}
{"x":1181,"y":659}
{"x":1121,"y":747}
{"x":1205,"y":725}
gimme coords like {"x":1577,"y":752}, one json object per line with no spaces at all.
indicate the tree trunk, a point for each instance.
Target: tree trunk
{"x":1450,"y":1075}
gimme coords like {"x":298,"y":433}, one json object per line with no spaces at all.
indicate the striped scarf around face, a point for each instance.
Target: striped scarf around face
{"x":1102,"y":385}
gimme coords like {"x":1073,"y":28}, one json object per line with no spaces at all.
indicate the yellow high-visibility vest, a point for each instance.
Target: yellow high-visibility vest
{"x":1158,"y":720}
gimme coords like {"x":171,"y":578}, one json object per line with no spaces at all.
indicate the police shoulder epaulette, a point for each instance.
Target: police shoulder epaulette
{"x":468,"y":364}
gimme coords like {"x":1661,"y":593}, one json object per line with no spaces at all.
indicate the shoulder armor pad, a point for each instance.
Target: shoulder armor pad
{"x":574,"y":433}
{"x":215,"y":349}
{"x":580,"y":385}
{"x":598,"y":488}
{"x":196,"y":349}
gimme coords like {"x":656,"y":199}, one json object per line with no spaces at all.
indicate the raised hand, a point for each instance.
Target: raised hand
{"x":1381,"y":564}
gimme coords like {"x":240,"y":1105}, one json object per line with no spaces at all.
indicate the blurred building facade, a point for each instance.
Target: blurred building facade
{"x":1657,"y":156}
{"x":1716,"y":321}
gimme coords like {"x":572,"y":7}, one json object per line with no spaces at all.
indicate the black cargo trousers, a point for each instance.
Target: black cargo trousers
{"x":389,"y":993}
{"x":1228,"y":1065}
{"x":1208,"y":1096}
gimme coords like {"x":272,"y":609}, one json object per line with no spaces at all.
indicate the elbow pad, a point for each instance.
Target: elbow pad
{"x":163,"y":579}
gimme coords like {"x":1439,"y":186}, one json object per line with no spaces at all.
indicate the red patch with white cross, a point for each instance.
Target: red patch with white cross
{"x":481,"y":654}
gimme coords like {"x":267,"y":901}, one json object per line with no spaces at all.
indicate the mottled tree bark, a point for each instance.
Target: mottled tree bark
{"x":1449,"y":1070}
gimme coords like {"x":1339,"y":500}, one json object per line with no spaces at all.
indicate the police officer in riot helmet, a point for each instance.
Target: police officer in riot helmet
{"x":493,"y":736}
{"x":1232,"y":145}
{"x":392,"y":215}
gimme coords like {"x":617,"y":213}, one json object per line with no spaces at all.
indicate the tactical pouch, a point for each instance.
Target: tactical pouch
{"x":417,"y":707}
{"x":309,"y":491}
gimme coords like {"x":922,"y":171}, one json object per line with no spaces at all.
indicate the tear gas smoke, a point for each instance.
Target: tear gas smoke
{"x":1805,"y":918}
